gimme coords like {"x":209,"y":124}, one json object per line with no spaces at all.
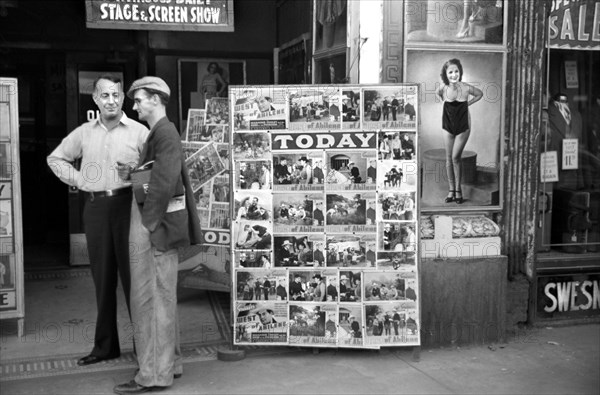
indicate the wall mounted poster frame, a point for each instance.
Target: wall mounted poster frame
{"x":198,"y":82}
{"x":455,"y":23}
{"x":481,"y":157}
{"x":12,"y":303}
{"x":325,"y":208}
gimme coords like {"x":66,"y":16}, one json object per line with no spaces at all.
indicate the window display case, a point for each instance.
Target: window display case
{"x":568,"y":234}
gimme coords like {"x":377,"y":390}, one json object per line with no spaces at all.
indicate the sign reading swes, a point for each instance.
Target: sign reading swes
{"x":566,"y":295}
{"x":188,"y":15}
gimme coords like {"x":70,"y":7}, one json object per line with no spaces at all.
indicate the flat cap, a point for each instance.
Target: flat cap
{"x":149,"y":82}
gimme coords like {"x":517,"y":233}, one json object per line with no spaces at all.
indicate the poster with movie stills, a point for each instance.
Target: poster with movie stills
{"x":348,"y":170}
{"x":350,"y":325}
{"x":294,"y":171}
{"x":389,"y":108}
{"x":353,"y":250}
{"x":260,"y":259}
{"x":207,"y":153}
{"x":217,"y":111}
{"x":313,"y":324}
{"x":260,"y":108}
{"x":261,"y":285}
{"x":316,"y":107}
{"x":391,"y":324}
{"x":324,"y":208}
{"x":247,"y":146}
{"x":351,"y":113}
{"x":298,"y":250}
{"x":263,"y":322}
{"x":299,"y":212}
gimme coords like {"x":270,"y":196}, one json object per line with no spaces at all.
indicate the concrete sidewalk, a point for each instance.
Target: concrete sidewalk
{"x":546,"y":360}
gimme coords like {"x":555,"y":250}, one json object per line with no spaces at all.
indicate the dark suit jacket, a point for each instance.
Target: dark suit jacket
{"x":168,"y":178}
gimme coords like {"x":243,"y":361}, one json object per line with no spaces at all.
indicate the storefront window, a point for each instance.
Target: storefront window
{"x":570,"y":165}
{"x":330,"y":46}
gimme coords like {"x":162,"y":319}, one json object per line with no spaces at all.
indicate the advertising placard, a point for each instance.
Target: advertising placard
{"x":185,"y":15}
{"x":322,"y":212}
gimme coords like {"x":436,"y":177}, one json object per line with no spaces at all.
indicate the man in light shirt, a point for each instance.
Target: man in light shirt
{"x":102,"y":144}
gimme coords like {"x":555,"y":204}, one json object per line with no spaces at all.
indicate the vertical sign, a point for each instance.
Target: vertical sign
{"x":572,"y":80}
{"x":569,"y":154}
{"x":548,"y":167}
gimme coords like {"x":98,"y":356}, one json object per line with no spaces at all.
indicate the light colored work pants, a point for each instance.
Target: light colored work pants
{"x":153,"y":307}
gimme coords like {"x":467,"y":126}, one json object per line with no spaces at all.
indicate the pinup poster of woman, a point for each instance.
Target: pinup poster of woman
{"x":457,"y":96}
{"x":461,"y":123}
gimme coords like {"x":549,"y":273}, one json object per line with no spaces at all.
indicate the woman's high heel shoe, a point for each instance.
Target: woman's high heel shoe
{"x":450,"y":198}
{"x":457,"y":199}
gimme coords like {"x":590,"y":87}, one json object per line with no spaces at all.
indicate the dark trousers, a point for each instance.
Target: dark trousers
{"x":106,"y":222}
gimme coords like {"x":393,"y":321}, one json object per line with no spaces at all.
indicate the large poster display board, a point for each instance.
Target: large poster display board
{"x":11,"y":233}
{"x":324,"y":233}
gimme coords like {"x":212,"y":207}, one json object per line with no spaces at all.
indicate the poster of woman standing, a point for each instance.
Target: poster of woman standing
{"x":461,"y":122}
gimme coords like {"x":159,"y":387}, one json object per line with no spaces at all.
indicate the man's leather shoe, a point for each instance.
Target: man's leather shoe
{"x":90,"y":359}
{"x":133,"y":388}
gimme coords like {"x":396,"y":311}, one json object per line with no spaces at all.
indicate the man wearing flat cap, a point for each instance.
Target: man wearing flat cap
{"x":166,"y":220}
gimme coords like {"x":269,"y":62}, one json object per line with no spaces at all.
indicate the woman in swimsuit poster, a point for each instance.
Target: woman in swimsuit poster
{"x":456,"y":97}
{"x":212,"y":84}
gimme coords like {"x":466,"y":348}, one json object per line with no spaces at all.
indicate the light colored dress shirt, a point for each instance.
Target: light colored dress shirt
{"x":99,"y":149}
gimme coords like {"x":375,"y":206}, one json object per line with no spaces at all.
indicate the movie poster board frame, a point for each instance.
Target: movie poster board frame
{"x":439,"y":24}
{"x":12,"y":302}
{"x":328,"y":137}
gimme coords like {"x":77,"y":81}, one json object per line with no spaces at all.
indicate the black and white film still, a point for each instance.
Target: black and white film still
{"x":397,"y":175}
{"x":252,"y":235}
{"x":349,"y":170}
{"x":397,"y":246}
{"x":347,"y":212}
{"x":248,"y":146}
{"x":298,"y":212}
{"x":396,"y":206}
{"x":298,"y":250}
{"x":253,"y":205}
{"x":217,"y":111}
{"x":203,"y":162}
{"x":351,"y":108}
{"x":390,"y":286}
{"x":391,"y":324}
{"x":253,"y":174}
{"x":351,"y":250}
{"x":253,"y":259}
{"x":389,"y":108}
{"x":313,"y":324}
{"x":261,"y":285}
{"x":316,"y":285}
{"x":350,"y":286}
{"x":396,"y":145}
{"x":315,"y":108}
{"x":295,"y":171}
